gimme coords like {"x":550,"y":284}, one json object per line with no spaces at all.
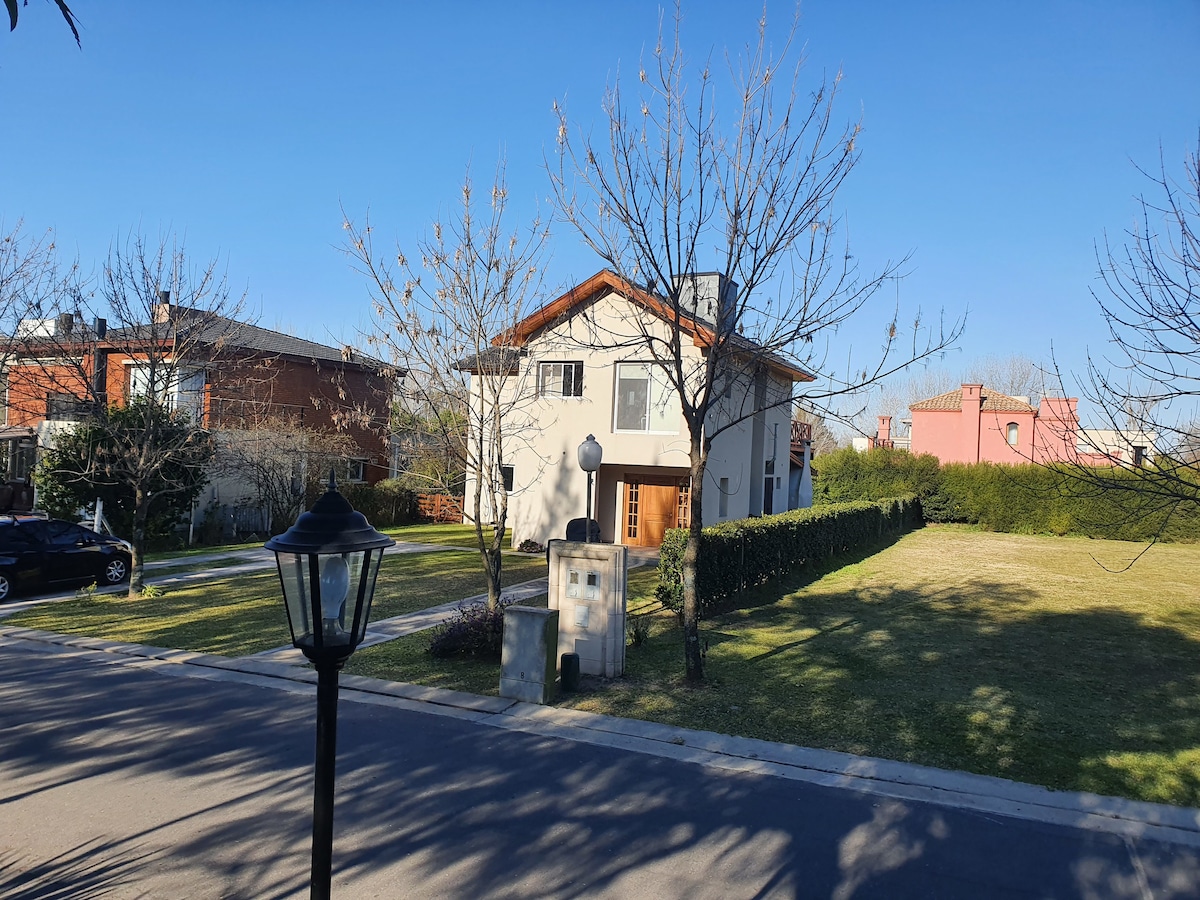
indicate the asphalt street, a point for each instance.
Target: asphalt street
{"x":123,"y":777}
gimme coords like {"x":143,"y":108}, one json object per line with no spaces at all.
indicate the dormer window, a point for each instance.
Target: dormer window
{"x":560,"y":379}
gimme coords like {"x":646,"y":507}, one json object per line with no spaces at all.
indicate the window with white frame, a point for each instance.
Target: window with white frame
{"x":645,"y":400}
{"x":356,"y":471}
{"x":560,"y":379}
{"x":1011,"y":434}
{"x":175,"y":388}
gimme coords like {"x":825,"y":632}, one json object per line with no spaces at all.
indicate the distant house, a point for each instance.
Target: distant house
{"x":975,"y":424}
{"x":235,"y":375}
{"x":580,"y":384}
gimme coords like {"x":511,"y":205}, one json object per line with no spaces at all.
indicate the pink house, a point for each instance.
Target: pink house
{"x":974,"y":424}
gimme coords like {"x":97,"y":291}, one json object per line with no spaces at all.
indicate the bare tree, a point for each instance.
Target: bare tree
{"x":444,"y":318}
{"x":167,"y":324}
{"x":672,"y":187}
{"x":1014,"y":374}
{"x":1146,"y":384}
{"x":278,"y":458}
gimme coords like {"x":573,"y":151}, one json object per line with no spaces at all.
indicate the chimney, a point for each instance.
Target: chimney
{"x":883,"y":438}
{"x":703,"y":295}
{"x":162,"y":309}
{"x":972,"y":407}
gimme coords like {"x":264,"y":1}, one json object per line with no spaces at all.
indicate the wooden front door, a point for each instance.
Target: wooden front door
{"x":651,"y":507}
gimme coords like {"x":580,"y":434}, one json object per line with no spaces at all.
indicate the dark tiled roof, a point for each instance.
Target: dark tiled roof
{"x":493,"y":360}
{"x":208,"y":328}
{"x":993,"y":401}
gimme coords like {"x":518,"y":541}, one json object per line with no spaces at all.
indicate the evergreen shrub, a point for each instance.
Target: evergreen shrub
{"x":749,"y":552}
{"x":1024,"y":499}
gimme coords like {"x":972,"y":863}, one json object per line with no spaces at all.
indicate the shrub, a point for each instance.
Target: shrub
{"x":848,"y":475}
{"x":474,"y":631}
{"x":384,"y":503}
{"x":748,"y":552}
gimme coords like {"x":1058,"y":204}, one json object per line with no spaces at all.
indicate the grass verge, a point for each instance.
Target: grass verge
{"x":243,"y":614}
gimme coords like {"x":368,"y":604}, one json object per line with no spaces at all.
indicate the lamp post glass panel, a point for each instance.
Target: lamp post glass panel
{"x":590,"y":454}
{"x":328,"y":563}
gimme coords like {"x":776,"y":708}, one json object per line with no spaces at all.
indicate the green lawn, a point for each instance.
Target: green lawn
{"x":1008,"y":655}
{"x":243,"y":614}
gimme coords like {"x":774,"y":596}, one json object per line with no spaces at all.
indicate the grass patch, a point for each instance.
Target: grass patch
{"x":243,"y":614}
{"x":446,"y":535}
{"x":1009,"y":655}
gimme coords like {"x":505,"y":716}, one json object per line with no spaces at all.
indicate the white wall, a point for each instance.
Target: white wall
{"x":543,"y":435}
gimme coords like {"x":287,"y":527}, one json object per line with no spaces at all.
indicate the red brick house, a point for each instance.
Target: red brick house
{"x":231,"y":375}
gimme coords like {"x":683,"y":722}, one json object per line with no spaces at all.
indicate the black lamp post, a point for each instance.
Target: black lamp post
{"x":590,"y":454}
{"x":328,"y":562}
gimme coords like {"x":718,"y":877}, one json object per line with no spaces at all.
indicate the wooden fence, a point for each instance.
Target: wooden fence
{"x":439,"y":508}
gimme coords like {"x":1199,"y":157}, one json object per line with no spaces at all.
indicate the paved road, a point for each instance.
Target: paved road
{"x":131,"y":777}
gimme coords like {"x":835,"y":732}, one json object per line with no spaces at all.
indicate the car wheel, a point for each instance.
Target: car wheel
{"x":5,"y":586}
{"x":116,"y":571}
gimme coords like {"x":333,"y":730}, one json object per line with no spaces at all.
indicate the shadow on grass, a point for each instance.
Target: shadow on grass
{"x":440,"y":807}
{"x":982,"y":678}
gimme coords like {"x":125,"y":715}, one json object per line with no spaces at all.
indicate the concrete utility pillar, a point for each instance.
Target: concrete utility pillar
{"x":587,"y":583}
{"x":528,"y":661}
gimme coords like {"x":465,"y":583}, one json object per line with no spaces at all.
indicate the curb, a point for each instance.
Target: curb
{"x":868,"y":775}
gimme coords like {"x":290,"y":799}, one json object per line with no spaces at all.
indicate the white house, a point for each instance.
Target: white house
{"x":583,"y":363}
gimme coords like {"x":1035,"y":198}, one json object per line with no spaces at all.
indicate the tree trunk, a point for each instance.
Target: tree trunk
{"x":141,"y":512}
{"x":693,"y":658}
{"x":492,"y":561}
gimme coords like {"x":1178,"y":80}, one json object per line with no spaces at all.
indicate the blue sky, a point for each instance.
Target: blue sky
{"x":998,"y":145}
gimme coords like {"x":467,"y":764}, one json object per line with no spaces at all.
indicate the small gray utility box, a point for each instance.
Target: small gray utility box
{"x":528,"y":658}
{"x":587,"y":583}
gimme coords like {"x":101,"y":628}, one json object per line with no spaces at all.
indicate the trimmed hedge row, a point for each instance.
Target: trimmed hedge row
{"x":748,"y":552}
{"x":1024,"y":499}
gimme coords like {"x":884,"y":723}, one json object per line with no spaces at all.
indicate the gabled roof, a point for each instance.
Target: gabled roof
{"x":951,"y":401}
{"x":703,"y":333}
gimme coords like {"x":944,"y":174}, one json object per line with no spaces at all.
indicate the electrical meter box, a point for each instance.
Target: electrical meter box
{"x":528,"y":660}
{"x":587,"y":587}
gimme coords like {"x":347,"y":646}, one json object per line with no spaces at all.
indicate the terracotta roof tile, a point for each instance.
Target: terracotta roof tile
{"x":993,"y":401}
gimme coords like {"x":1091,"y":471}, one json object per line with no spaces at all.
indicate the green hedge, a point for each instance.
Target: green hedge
{"x":748,"y":552}
{"x":1026,"y":499}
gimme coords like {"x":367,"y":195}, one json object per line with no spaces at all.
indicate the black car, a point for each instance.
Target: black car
{"x":36,"y":552}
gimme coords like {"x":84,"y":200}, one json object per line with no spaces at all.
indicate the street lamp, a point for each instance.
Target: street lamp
{"x":328,"y":562}
{"x":589,"y":460}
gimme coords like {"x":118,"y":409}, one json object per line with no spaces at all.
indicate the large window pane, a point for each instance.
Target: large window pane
{"x":645,"y":400}
{"x":633,"y":393}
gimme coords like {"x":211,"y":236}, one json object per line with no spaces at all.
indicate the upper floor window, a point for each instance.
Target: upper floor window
{"x":174,"y":388}
{"x":1011,"y":434}
{"x":65,"y":408}
{"x":560,"y":379}
{"x":645,"y":400}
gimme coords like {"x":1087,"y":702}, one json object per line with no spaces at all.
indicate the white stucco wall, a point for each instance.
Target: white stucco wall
{"x":543,"y":434}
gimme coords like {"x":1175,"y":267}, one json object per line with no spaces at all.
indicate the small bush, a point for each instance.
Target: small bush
{"x":152,"y":591}
{"x":474,"y":631}
{"x":529,"y":545}
{"x":637,"y":629}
